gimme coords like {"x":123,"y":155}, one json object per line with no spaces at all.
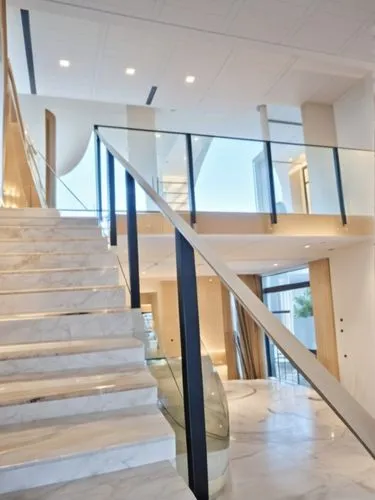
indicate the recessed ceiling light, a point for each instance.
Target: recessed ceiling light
{"x":64,"y":63}
{"x":130,"y":71}
{"x":307,"y":246}
{"x":276,"y":264}
{"x":190,"y":79}
{"x":157,"y":135}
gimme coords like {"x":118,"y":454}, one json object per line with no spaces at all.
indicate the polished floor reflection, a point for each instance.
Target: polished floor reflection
{"x":286,"y":444}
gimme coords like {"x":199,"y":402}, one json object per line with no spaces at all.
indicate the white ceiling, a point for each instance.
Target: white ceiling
{"x":242,"y":52}
{"x":243,"y":254}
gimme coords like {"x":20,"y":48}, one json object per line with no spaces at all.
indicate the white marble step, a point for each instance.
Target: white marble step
{"x":70,"y":355}
{"x":158,"y":481}
{"x":48,"y":232}
{"x":29,"y":212}
{"x":37,"y":279}
{"x":72,"y":448}
{"x":30,"y":397}
{"x":52,"y":327}
{"x":18,"y":261}
{"x":53,"y":246}
{"x":62,"y":300}
{"x":29,"y":221}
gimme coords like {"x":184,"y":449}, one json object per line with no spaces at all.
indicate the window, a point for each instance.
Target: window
{"x":288,"y":296}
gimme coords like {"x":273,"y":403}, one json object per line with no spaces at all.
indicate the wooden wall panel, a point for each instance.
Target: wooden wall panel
{"x":321,"y":291}
{"x":230,"y":348}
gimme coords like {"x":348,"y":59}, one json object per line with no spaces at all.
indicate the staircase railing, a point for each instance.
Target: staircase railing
{"x":187,"y":241}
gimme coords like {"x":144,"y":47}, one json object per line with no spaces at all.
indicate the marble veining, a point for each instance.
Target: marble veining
{"x":69,"y":299}
{"x":69,"y":327}
{"x":56,"y":260}
{"x":31,"y":221}
{"x":49,"y":233}
{"x":81,"y":446}
{"x":69,"y":355}
{"x":58,"y":278}
{"x":60,"y":246}
{"x":286,"y":444}
{"x":150,"y":482}
{"x":68,"y":385}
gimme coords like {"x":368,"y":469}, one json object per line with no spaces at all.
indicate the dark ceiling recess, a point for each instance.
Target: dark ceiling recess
{"x":151,"y":95}
{"x":25,"y":19}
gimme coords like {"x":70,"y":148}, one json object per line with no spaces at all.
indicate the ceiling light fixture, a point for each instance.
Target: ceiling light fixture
{"x":157,"y":135}
{"x":307,"y":246}
{"x":130,"y":71}
{"x":190,"y":79}
{"x":64,"y":63}
{"x":276,"y":264}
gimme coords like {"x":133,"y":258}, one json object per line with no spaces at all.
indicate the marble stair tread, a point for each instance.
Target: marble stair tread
{"x":65,"y":299}
{"x":45,"y":260}
{"x":29,"y":221}
{"x":60,"y":348}
{"x":4,"y":318}
{"x":63,"y":289}
{"x":32,"y":233}
{"x":72,"y":384}
{"x":60,"y":438}
{"x":52,"y":326}
{"x":29,"y":212}
{"x":158,"y":481}
{"x":83,"y":245}
{"x":38,"y":279}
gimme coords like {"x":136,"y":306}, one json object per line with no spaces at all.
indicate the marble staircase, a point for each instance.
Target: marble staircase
{"x":76,"y":398}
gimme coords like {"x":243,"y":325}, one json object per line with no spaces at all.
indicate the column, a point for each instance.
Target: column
{"x":325,"y":331}
{"x":319,"y":129}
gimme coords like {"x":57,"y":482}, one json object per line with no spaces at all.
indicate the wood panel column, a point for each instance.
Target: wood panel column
{"x":230,"y":348}
{"x":321,"y":292}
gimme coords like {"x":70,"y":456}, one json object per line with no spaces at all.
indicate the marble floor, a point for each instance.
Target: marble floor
{"x":286,"y":444}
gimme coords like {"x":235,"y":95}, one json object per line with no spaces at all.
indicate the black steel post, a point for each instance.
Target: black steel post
{"x":195,"y":426}
{"x":190,"y":177}
{"x":112,"y":198}
{"x":340,"y":192}
{"x":133,"y":258}
{"x":268,"y":155}
{"x":98,"y":173}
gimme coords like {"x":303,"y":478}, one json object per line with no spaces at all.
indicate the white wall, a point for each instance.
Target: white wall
{"x":74,"y":122}
{"x":354,"y":117}
{"x":352,"y":275}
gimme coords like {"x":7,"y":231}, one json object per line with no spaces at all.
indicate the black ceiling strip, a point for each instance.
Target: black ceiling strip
{"x":285,"y":122}
{"x":25,"y":18}
{"x":151,"y":95}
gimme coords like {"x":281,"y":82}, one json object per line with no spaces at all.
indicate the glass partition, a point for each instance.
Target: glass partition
{"x":230,"y":175}
{"x":305,"y":179}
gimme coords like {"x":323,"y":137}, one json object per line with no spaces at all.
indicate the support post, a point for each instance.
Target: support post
{"x":135,"y":294}
{"x":98,"y":174}
{"x":340,"y":192}
{"x":268,"y":155}
{"x":191,"y":184}
{"x":112,"y":198}
{"x":191,"y":369}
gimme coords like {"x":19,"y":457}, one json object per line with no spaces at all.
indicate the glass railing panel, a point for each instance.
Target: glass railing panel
{"x":290,"y":175}
{"x":305,"y":179}
{"x":159,"y":304}
{"x":357,"y":175}
{"x":230,"y":175}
